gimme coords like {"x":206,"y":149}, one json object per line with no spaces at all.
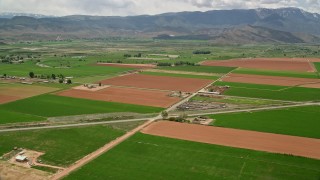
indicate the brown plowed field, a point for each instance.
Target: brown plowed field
{"x":317,"y":85}
{"x":137,"y":66}
{"x":158,"y":82}
{"x":125,"y":95}
{"x":268,"y":142}
{"x":269,"y":80}
{"x":6,"y":98}
{"x":277,"y":64}
{"x":13,"y":92}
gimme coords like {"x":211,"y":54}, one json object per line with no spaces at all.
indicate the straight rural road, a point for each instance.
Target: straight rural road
{"x":71,"y":125}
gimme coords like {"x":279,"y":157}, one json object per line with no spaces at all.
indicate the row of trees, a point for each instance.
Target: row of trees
{"x":135,"y":55}
{"x":180,"y":118}
{"x":201,"y":52}
{"x":179,"y":63}
{"x":53,"y":76}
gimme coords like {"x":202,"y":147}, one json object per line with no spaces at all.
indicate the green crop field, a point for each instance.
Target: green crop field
{"x":203,"y":69}
{"x":62,"y":147}
{"x":14,"y":117}
{"x":272,"y":92}
{"x":77,"y":71}
{"x":150,"y":157}
{"x":52,"y":105}
{"x":180,"y":75}
{"x":297,"y":121}
{"x":317,"y":65}
{"x":277,"y":73}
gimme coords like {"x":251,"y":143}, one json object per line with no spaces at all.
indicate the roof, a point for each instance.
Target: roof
{"x":21,"y":158}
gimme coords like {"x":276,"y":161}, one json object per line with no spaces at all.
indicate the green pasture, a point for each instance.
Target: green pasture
{"x":277,"y":73}
{"x":151,"y":157}
{"x":62,"y":147}
{"x":8,"y":116}
{"x":272,"y":92}
{"x":52,"y":106}
{"x":296,"y":121}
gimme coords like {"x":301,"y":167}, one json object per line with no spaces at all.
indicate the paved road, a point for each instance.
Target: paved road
{"x":71,"y":125}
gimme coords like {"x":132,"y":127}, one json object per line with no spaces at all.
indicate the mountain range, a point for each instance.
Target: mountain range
{"x":284,"y":25}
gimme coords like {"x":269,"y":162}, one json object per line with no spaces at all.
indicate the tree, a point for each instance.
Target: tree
{"x":53,"y":76}
{"x":69,"y":81}
{"x":60,"y":81}
{"x":31,"y":74}
{"x":164,"y":114}
{"x":4,"y":75}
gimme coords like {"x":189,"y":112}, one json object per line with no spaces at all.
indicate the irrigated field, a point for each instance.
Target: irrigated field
{"x":271,"y":92}
{"x":297,"y":121}
{"x":277,"y":64}
{"x":138,"y":66}
{"x":126,"y":95}
{"x":62,"y":147}
{"x":317,"y":65}
{"x":158,"y":82}
{"x":313,"y":75}
{"x":270,"y":80}
{"x":13,"y":92}
{"x":180,"y":75}
{"x":23,"y":70}
{"x":204,"y":69}
{"x":52,"y":105}
{"x":165,"y":158}
{"x":15,"y":117}
{"x":275,"y":143}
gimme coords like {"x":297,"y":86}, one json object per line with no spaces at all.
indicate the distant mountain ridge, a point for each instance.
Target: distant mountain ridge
{"x":9,"y":15}
{"x":287,"y":22}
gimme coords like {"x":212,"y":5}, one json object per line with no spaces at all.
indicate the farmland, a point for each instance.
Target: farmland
{"x":13,"y":92}
{"x":180,"y":75}
{"x":144,"y":97}
{"x":113,"y":78}
{"x":270,"y":80}
{"x":317,"y":65}
{"x":61,"y":146}
{"x":23,"y":70}
{"x":52,"y":105}
{"x":271,"y":92}
{"x":14,"y":117}
{"x":277,"y":73}
{"x":277,"y":64}
{"x":158,"y":82}
{"x":298,"y":121}
{"x":203,"y":69}
{"x":165,"y":158}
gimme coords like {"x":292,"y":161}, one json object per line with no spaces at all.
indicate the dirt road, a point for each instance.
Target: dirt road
{"x":99,"y":152}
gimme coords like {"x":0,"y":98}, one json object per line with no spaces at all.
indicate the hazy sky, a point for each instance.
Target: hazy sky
{"x":137,"y":7}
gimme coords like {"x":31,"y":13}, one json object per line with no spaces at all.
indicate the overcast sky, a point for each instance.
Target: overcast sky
{"x":138,"y":7}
